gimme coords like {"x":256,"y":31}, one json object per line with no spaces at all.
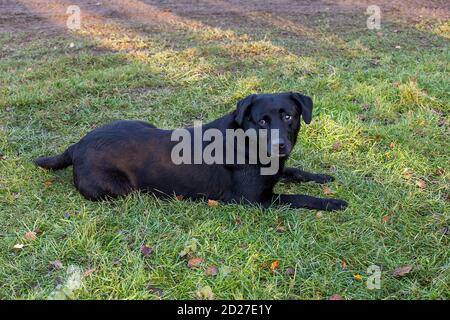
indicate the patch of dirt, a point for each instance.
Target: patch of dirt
{"x":41,"y":15}
{"x":309,"y":19}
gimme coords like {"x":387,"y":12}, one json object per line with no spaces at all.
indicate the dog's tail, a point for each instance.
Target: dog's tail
{"x":57,"y":162}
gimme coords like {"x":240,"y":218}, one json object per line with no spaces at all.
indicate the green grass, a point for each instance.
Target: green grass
{"x":51,"y":95}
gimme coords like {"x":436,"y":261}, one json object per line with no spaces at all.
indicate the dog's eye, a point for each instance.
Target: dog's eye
{"x":262,"y":122}
{"x":287,"y":117}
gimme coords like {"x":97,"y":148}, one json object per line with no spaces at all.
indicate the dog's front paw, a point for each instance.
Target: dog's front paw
{"x":335,"y":204}
{"x":323,"y":178}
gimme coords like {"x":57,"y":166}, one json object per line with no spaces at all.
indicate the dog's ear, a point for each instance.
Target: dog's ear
{"x":305,"y":105}
{"x":243,"y":106}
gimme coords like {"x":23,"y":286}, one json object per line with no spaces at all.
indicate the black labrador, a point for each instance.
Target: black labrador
{"x":125,"y":156}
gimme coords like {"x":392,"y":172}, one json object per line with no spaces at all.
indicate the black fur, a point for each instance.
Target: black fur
{"x":124,"y":156}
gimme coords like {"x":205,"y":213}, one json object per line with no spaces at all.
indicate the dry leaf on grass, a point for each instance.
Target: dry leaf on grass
{"x":401,"y":271}
{"x":319,"y":214}
{"x":195,"y":262}
{"x":154,"y":290}
{"x":290,"y":272}
{"x":30,"y":235}
{"x":18,"y":246}
{"x":336,"y":297}
{"x":238,"y":221}
{"x":146,"y":251}
{"x":274,"y":265}
{"x":49,"y":182}
{"x":205,"y":293}
{"x":212,"y":271}
{"x":407,"y":173}
{"x":336,"y":146}
{"x":358,"y":277}
{"x":89,"y":272}
{"x":213,"y":203}
{"x":280,"y":228}
{"x":190,"y":247}
{"x":327,"y":190}
{"x":421,"y":184}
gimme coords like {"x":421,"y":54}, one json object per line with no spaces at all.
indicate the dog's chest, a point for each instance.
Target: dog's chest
{"x":250,"y":184}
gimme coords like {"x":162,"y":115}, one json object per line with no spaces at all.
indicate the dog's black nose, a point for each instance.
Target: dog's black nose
{"x":281,"y":144}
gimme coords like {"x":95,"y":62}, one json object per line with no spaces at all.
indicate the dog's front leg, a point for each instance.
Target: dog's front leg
{"x":308,"y":202}
{"x":297,"y":175}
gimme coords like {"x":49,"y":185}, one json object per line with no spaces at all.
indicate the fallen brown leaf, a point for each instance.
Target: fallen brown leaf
{"x":290,"y":272}
{"x":154,"y":290}
{"x":146,"y":251}
{"x":190,"y":247}
{"x":30,"y":235}
{"x":213,"y":203}
{"x":179,"y":197}
{"x":336,"y":297}
{"x":392,"y":145}
{"x":407,"y":173}
{"x":212,"y":271}
{"x":358,"y":277}
{"x":327,"y":190}
{"x":336,"y":146}
{"x":280,"y":228}
{"x":205,"y":293}
{"x":319,"y":214}
{"x":401,"y":271}
{"x":195,"y":262}
{"x":344,"y":264}
{"x":49,"y":182}
{"x":421,"y":184}
{"x":238,"y":221}
{"x":89,"y":272}
{"x":274,"y":265}
{"x":386,"y":218}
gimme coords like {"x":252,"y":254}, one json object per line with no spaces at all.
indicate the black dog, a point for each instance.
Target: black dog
{"x":124,"y":156}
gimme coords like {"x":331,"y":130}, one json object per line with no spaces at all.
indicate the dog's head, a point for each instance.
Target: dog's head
{"x":279,"y":111}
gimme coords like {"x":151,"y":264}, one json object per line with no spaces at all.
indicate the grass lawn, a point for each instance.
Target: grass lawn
{"x":380,"y":126}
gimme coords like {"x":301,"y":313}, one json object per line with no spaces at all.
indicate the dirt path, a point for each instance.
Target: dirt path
{"x":43,"y":17}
